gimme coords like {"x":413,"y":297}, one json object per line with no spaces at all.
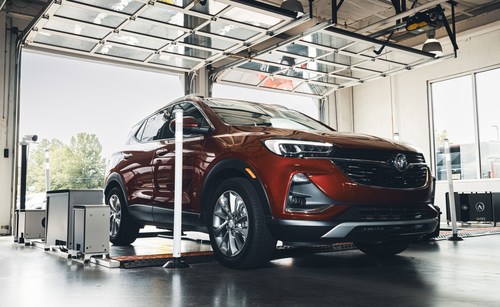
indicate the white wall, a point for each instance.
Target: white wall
{"x":407,"y":93}
{"x":340,"y":110}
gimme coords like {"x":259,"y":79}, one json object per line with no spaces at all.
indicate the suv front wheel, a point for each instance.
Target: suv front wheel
{"x":236,"y":224}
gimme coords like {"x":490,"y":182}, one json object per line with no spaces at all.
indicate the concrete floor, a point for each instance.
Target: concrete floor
{"x":441,"y":273}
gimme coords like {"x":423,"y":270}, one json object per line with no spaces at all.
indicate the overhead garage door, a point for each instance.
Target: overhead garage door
{"x":245,"y":43}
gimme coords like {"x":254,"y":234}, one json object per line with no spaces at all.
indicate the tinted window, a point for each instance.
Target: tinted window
{"x":240,"y":113}
{"x":188,"y":110}
{"x":138,"y":135}
{"x":153,"y":127}
{"x":191,"y":110}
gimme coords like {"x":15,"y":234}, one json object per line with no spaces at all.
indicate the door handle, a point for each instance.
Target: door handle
{"x":161,"y":152}
{"x":127,"y":156}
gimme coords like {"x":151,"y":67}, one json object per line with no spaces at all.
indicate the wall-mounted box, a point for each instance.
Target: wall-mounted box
{"x":59,"y":223}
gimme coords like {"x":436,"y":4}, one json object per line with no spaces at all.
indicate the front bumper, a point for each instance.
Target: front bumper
{"x":365,"y":228}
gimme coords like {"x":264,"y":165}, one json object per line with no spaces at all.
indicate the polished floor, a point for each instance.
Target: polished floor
{"x":441,"y":273}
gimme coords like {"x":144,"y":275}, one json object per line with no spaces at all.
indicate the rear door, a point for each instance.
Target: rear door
{"x":137,"y":171}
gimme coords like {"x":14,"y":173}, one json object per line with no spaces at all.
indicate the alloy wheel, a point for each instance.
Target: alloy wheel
{"x":230,"y":223}
{"x":115,"y":215}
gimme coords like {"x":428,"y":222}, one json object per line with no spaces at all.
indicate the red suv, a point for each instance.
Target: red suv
{"x":254,"y":174}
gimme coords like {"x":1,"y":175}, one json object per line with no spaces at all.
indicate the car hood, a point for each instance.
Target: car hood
{"x":339,"y":139}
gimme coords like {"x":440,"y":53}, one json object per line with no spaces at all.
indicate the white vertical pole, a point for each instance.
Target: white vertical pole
{"x":451,"y":193}
{"x":47,"y":170}
{"x":178,"y":183}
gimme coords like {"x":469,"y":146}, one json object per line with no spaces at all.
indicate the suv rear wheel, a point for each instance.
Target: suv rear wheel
{"x":236,"y":224}
{"x":389,"y":248}
{"x":122,"y":229}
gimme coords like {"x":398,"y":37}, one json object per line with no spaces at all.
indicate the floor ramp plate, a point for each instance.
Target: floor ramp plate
{"x":138,"y":261}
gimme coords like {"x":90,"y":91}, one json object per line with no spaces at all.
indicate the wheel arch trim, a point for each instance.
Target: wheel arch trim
{"x":234,"y":165}
{"x":113,"y":179}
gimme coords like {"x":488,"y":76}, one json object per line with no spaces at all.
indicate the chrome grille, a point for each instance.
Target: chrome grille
{"x":375,"y":168}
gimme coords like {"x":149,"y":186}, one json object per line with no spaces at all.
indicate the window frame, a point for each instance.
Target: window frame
{"x":475,"y":104}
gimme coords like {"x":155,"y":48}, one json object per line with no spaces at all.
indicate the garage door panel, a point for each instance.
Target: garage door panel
{"x":151,"y":32}
{"x":144,"y":27}
{"x":117,"y":51}
{"x":127,"y":7}
{"x":174,"y":60}
{"x":232,"y":36}
{"x":49,"y":38}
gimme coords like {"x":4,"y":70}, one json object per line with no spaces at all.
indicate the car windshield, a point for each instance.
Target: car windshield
{"x":241,"y":113}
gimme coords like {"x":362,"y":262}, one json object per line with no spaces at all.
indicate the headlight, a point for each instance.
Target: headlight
{"x":298,"y":149}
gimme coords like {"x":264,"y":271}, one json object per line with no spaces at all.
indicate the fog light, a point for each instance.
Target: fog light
{"x":300,"y":178}
{"x":305,"y":197}
{"x":298,"y":201}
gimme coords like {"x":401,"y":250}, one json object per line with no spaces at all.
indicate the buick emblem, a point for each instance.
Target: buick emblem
{"x":480,"y":207}
{"x":400,"y":162}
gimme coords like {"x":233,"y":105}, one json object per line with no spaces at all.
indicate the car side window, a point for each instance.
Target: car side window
{"x":188,"y":110}
{"x":138,"y":134}
{"x":191,"y":110}
{"x":153,"y":127}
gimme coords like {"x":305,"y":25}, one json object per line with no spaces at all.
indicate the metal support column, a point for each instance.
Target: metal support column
{"x":198,"y":82}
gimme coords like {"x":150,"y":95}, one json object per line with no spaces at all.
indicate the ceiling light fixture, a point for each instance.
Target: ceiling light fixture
{"x":432,"y":45}
{"x":293,"y":5}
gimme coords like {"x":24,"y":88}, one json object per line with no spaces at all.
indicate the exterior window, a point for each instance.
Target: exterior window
{"x":188,"y":110}
{"x":465,"y":111}
{"x":488,"y":100}
{"x":152,"y":130}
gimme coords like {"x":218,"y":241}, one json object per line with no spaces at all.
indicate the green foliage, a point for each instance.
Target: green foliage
{"x":75,"y":166}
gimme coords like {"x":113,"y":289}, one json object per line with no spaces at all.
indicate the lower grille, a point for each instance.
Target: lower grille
{"x":394,"y":213}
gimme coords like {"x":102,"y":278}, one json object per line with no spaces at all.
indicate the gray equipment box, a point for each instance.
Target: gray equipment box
{"x":28,"y":224}
{"x":60,"y":203}
{"x":91,"y":229}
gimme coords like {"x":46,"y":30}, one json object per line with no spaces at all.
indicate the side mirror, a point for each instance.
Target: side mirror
{"x":190,"y":126}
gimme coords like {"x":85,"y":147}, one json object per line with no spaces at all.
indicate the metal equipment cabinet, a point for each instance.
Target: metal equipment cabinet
{"x":28,"y":224}
{"x":91,"y":229}
{"x":59,"y":223}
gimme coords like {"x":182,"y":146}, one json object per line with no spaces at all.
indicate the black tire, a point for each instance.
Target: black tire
{"x":238,"y":233}
{"x":383,"y":249}
{"x":123,"y":230}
